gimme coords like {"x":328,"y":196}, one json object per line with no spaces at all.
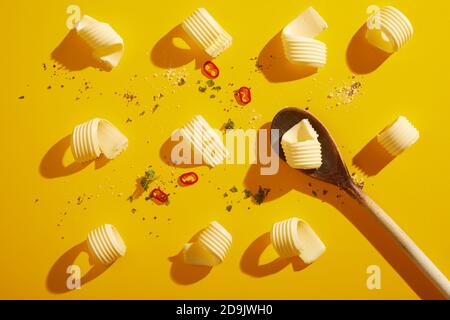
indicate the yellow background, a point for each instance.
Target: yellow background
{"x":412,"y":188}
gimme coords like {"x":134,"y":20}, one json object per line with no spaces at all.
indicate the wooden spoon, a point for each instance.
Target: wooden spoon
{"x":334,"y":171}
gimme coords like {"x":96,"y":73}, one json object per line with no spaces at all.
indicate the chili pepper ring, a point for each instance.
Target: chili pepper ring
{"x":188,"y":179}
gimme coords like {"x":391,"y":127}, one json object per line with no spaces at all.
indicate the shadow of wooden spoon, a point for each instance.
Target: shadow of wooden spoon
{"x":334,"y":171}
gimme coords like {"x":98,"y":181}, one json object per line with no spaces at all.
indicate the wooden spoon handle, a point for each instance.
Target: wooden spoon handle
{"x":420,"y":259}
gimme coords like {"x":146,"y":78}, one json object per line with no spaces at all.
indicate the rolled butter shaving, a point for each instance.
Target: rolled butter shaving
{"x":97,"y":136}
{"x":206,"y":32}
{"x":106,"y":45}
{"x":392,"y":29}
{"x":106,"y":244}
{"x":298,"y":39}
{"x":294,"y":237}
{"x":211,"y":247}
{"x":399,"y":136}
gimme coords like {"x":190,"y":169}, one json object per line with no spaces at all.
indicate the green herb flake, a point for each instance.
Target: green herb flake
{"x":261,"y":195}
{"x":147,"y":179}
{"x":229,"y":125}
{"x":247,"y":193}
{"x":210,"y":83}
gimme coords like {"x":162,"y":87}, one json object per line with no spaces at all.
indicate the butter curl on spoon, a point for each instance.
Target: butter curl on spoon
{"x":334,"y":171}
{"x":301,"y":146}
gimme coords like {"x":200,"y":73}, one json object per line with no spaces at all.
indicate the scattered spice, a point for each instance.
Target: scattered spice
{"x":210,"y":83}
{"x":234,"y":189}
{"x":129,"y":97}
{"x":155,"y":107}
{"x":202,"y":89}
{"x":346,"y":93}
{"x":21,"y":97}
{"x":229,"y":208}
{"x":80,"y":200}
{"x":358,"y":180}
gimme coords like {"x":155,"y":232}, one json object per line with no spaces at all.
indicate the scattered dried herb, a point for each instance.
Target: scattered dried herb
{"x":21,"y":97}
{"x":210,"y":83}
{"x":261,"y":195}
{"x":201,"y":89}
{"x":247,"y":193}
{"x":155,"y":107}
{"x":229,"y":125}
{"x":234,"y":189}
{"x":148,"y":178}
{"x":229,"y":208}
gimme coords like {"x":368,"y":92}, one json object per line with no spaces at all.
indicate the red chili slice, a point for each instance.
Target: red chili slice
{"x":188,"y":179}
{"x":210,"y":69}
{"x":159,"y":195}
{"x":244,"y":95}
